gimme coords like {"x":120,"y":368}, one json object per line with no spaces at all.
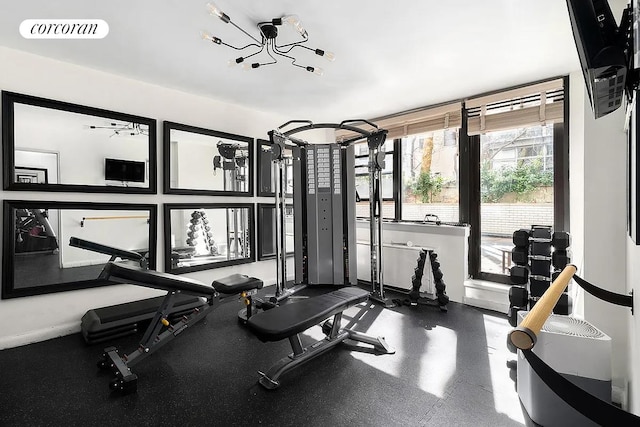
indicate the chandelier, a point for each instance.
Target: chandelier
{"x":124,"y":129}
{"x":268,"y":42}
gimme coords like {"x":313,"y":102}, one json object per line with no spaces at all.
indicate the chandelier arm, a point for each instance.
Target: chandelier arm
{"x":272,"y":44}
{"x":238,"y":27}
{"x":294,"y":44}
{"x":293,"y":60}
{"x":240,"y":48}
{"x":253,"y":54}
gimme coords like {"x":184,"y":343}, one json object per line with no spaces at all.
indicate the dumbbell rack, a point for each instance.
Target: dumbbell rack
{"x":539,"y":254}
{"x":199,"y":232}
{"x":442,"y":299}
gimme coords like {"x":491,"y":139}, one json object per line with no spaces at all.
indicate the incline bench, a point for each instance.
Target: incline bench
{"x":289,"y":320}
{"x":107,"y":323}
{"x":161,"y":330}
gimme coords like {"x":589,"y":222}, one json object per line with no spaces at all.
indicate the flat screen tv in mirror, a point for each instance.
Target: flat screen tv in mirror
{"x":605,"y":52}
{"x":53,"y":246}
{"x":70,"y":143}
{"x":204,"y":161}
{"x":124,"y":170}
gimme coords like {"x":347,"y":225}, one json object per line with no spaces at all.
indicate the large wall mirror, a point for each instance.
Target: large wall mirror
{"x":56,"y":146}
{"x":267,"y":171}
{"x":203,"y":161}
{"x":204,"y":236}
{"x":60,"y":246}
{"x":267,"y":227}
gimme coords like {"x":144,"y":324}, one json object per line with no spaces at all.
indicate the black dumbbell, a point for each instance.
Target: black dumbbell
{"x":541,"y":232}
{"x":513,"y":316}
{"x":560,"y":259}
{"x":521,"y":238}
{"x":520,"y":255}
{"x":541,"y":267}
{"x":561,"y":240}
{"x":518,"y":296}
{"x":540,"y":248}
{"x":564,"y":305}
{"x":519,"y":274}
{"x":538,"y":286}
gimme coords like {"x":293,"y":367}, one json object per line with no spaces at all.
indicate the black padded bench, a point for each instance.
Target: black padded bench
{"x":289,"y":320}
{"x":162,"y":329}
{"x":115,"y":321}
{"x":114,"y":252}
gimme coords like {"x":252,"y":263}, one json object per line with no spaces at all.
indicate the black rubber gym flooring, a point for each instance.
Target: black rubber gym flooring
{"x":449,"y":369}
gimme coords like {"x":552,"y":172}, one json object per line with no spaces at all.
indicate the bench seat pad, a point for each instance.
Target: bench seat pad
{"x":104,"y":249}
{"x":289,"y":319}
{"x":236,"y":283}
{"x":155,"y":279}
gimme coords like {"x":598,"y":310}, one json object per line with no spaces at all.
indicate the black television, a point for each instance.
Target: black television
{"x":606,"y":53}
{"x":123,"y":170}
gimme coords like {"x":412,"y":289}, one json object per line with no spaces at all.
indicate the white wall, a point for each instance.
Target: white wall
{"x":46,"y":316}
{"x":598,"y":220}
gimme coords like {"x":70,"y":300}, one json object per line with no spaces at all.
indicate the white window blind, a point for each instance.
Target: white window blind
{"x":538,"y":104}
{"x":414,"y":122}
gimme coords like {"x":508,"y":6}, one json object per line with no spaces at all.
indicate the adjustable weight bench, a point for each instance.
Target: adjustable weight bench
{"x":161,"y":330}
{"x":289,"y":320}
{"x":107,"y":323}
{"x":114,"y":252}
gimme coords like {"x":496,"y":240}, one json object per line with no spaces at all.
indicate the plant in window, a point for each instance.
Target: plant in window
{"x":521,"y":180}
{"x":427,"y":186}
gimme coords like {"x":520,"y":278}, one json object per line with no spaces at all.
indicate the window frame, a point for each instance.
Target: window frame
{"x":469,"y":180}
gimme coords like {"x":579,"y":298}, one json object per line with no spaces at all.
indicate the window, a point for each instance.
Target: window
{"x":518,"y":171}
{"x":430,"y":176}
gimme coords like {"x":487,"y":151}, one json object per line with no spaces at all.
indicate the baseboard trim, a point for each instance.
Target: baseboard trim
{"x":39,"y":335}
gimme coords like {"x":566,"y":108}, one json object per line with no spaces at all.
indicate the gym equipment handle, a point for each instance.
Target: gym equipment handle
{"x":525,"y":335}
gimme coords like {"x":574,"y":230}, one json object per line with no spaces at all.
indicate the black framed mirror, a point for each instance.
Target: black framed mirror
{"x":51,"y":246}
{"x":204,"y":161}
{"x":206,"y":236}
{"x":266,"y":231}
{"x":266,"y":183}
{"x":57,"y":146}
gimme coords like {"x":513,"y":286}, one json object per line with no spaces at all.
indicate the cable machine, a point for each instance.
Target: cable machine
{"x":324,"y":198}
{"x":233,"y":161}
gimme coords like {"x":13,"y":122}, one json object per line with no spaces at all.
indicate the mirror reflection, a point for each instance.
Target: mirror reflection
{"x":267,"y":171}
{"x":50,"y":145}
{"x":57,"y":246}
{"x":208,"y":236}
{"x":205,"y":161}
{"x":267,"y":227}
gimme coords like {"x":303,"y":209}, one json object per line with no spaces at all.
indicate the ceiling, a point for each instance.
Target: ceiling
{"x":390,"y":56}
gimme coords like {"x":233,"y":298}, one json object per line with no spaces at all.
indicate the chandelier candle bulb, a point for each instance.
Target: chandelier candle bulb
{"x":215,"y":10}
{"x":328,"y":55}
{"x":206,"y":36}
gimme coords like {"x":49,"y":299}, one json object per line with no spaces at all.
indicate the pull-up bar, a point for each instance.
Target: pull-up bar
{"x":525,"y":335}
{"x":94,"y":218}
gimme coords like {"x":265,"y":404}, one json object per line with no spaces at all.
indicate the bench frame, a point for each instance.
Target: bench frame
{"x":153,"y":339}
{"x":334,"y":336}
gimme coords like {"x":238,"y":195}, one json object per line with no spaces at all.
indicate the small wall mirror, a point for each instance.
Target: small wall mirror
{"x":267,"y":173}
{"x":266,"y":230}
{"x":56,"y":146}
{"x":61,"y":246}
{"x":205,"y":236}
{"x":203,"y":161}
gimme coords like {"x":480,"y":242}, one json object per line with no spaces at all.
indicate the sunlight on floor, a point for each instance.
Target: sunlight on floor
{"x":505,"y":401}
{"x":417,"y":371}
